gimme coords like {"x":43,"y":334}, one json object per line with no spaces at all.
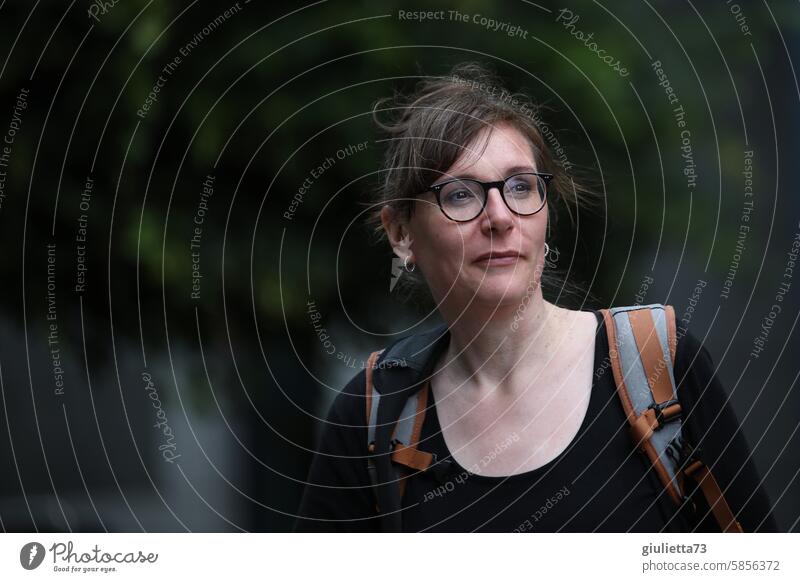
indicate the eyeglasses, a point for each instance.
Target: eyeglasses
{"x":462,"y":200}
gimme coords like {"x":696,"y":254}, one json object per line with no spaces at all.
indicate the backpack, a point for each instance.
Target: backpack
{"x":642,"y":342}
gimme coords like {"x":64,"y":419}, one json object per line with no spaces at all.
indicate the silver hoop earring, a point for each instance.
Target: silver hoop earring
{"x":546,"y":250}
{"x":405,"y":265}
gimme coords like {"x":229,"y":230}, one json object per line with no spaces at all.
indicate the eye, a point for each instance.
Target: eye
{"x":520,"y":186}
{"x":459,"y":196}
{"x":461,"y":193}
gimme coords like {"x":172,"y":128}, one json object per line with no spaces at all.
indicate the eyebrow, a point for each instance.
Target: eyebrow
{"x":509,"y":172}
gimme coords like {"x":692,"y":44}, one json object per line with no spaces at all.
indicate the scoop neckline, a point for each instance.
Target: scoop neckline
{"x":532,"y":472}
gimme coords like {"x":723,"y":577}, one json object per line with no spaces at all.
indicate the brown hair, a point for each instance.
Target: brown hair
{"x":431,"y":128}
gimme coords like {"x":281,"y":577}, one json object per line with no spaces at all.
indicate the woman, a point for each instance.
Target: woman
{"x":525,"y":426}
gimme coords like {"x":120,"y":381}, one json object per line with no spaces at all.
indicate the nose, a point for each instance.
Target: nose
{"x":496,"y":216}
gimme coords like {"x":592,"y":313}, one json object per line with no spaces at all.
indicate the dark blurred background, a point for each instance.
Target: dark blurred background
{"x":169,"y":336}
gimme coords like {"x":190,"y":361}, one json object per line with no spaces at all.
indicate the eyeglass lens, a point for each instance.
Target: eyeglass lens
{"x":463,"y":200}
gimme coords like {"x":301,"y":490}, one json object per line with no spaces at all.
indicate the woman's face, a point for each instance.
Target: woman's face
{"x":456,"y":257}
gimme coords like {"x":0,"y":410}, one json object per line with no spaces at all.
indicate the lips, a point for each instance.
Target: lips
{"x":498,"y":258}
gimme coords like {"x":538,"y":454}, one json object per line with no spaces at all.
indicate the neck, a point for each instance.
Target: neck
{"x":490,"y":351}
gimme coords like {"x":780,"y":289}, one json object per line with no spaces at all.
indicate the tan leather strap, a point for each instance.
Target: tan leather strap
{"x":409,"y":455}
{"x":652,"y":354}
{"x":672,"y":336}
{"x":641,"y":427}
{"x":373,"y":358}
{"x":368,"y":387}
{"x":616,"y":369}
{"x":698,"y":471}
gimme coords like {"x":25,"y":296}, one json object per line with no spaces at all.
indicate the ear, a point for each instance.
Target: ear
{"x":397,"y":232}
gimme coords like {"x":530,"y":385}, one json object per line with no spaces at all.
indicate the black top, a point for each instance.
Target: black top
{"x":598,"y":483}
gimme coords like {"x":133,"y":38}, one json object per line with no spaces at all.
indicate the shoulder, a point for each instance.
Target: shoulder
{"x":342,"y":432}
{"x":705,"y":402}
{"x":694,"y":367}
{"x":349,"y":405}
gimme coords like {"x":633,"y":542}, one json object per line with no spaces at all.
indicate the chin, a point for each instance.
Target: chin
{"x":503,"y":291}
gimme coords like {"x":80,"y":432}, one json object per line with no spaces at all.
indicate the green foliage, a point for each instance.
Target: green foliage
{"x":623,"y":143}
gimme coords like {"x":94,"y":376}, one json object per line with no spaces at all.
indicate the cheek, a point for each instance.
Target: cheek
{"x":536,"y":234}
{"x":441,"y":250}
{"x":437,"y":239}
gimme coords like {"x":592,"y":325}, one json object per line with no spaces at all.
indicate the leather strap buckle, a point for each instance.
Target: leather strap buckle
{"x":668,"y":411}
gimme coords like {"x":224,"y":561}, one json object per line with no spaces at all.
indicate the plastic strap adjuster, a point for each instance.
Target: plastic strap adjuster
{"x":659,"y":409}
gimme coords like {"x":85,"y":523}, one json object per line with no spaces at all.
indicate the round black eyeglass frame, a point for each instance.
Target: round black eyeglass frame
{"x":500,"y":185}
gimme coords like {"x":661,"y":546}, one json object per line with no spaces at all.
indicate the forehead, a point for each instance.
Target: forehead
{"x":494,"y":149}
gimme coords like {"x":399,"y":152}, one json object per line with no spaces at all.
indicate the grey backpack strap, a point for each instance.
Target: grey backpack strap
{"x":373,"y":398}
{"x":642,"y":343}
{"x":404,"y":431}
{"x":406,"y":457}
